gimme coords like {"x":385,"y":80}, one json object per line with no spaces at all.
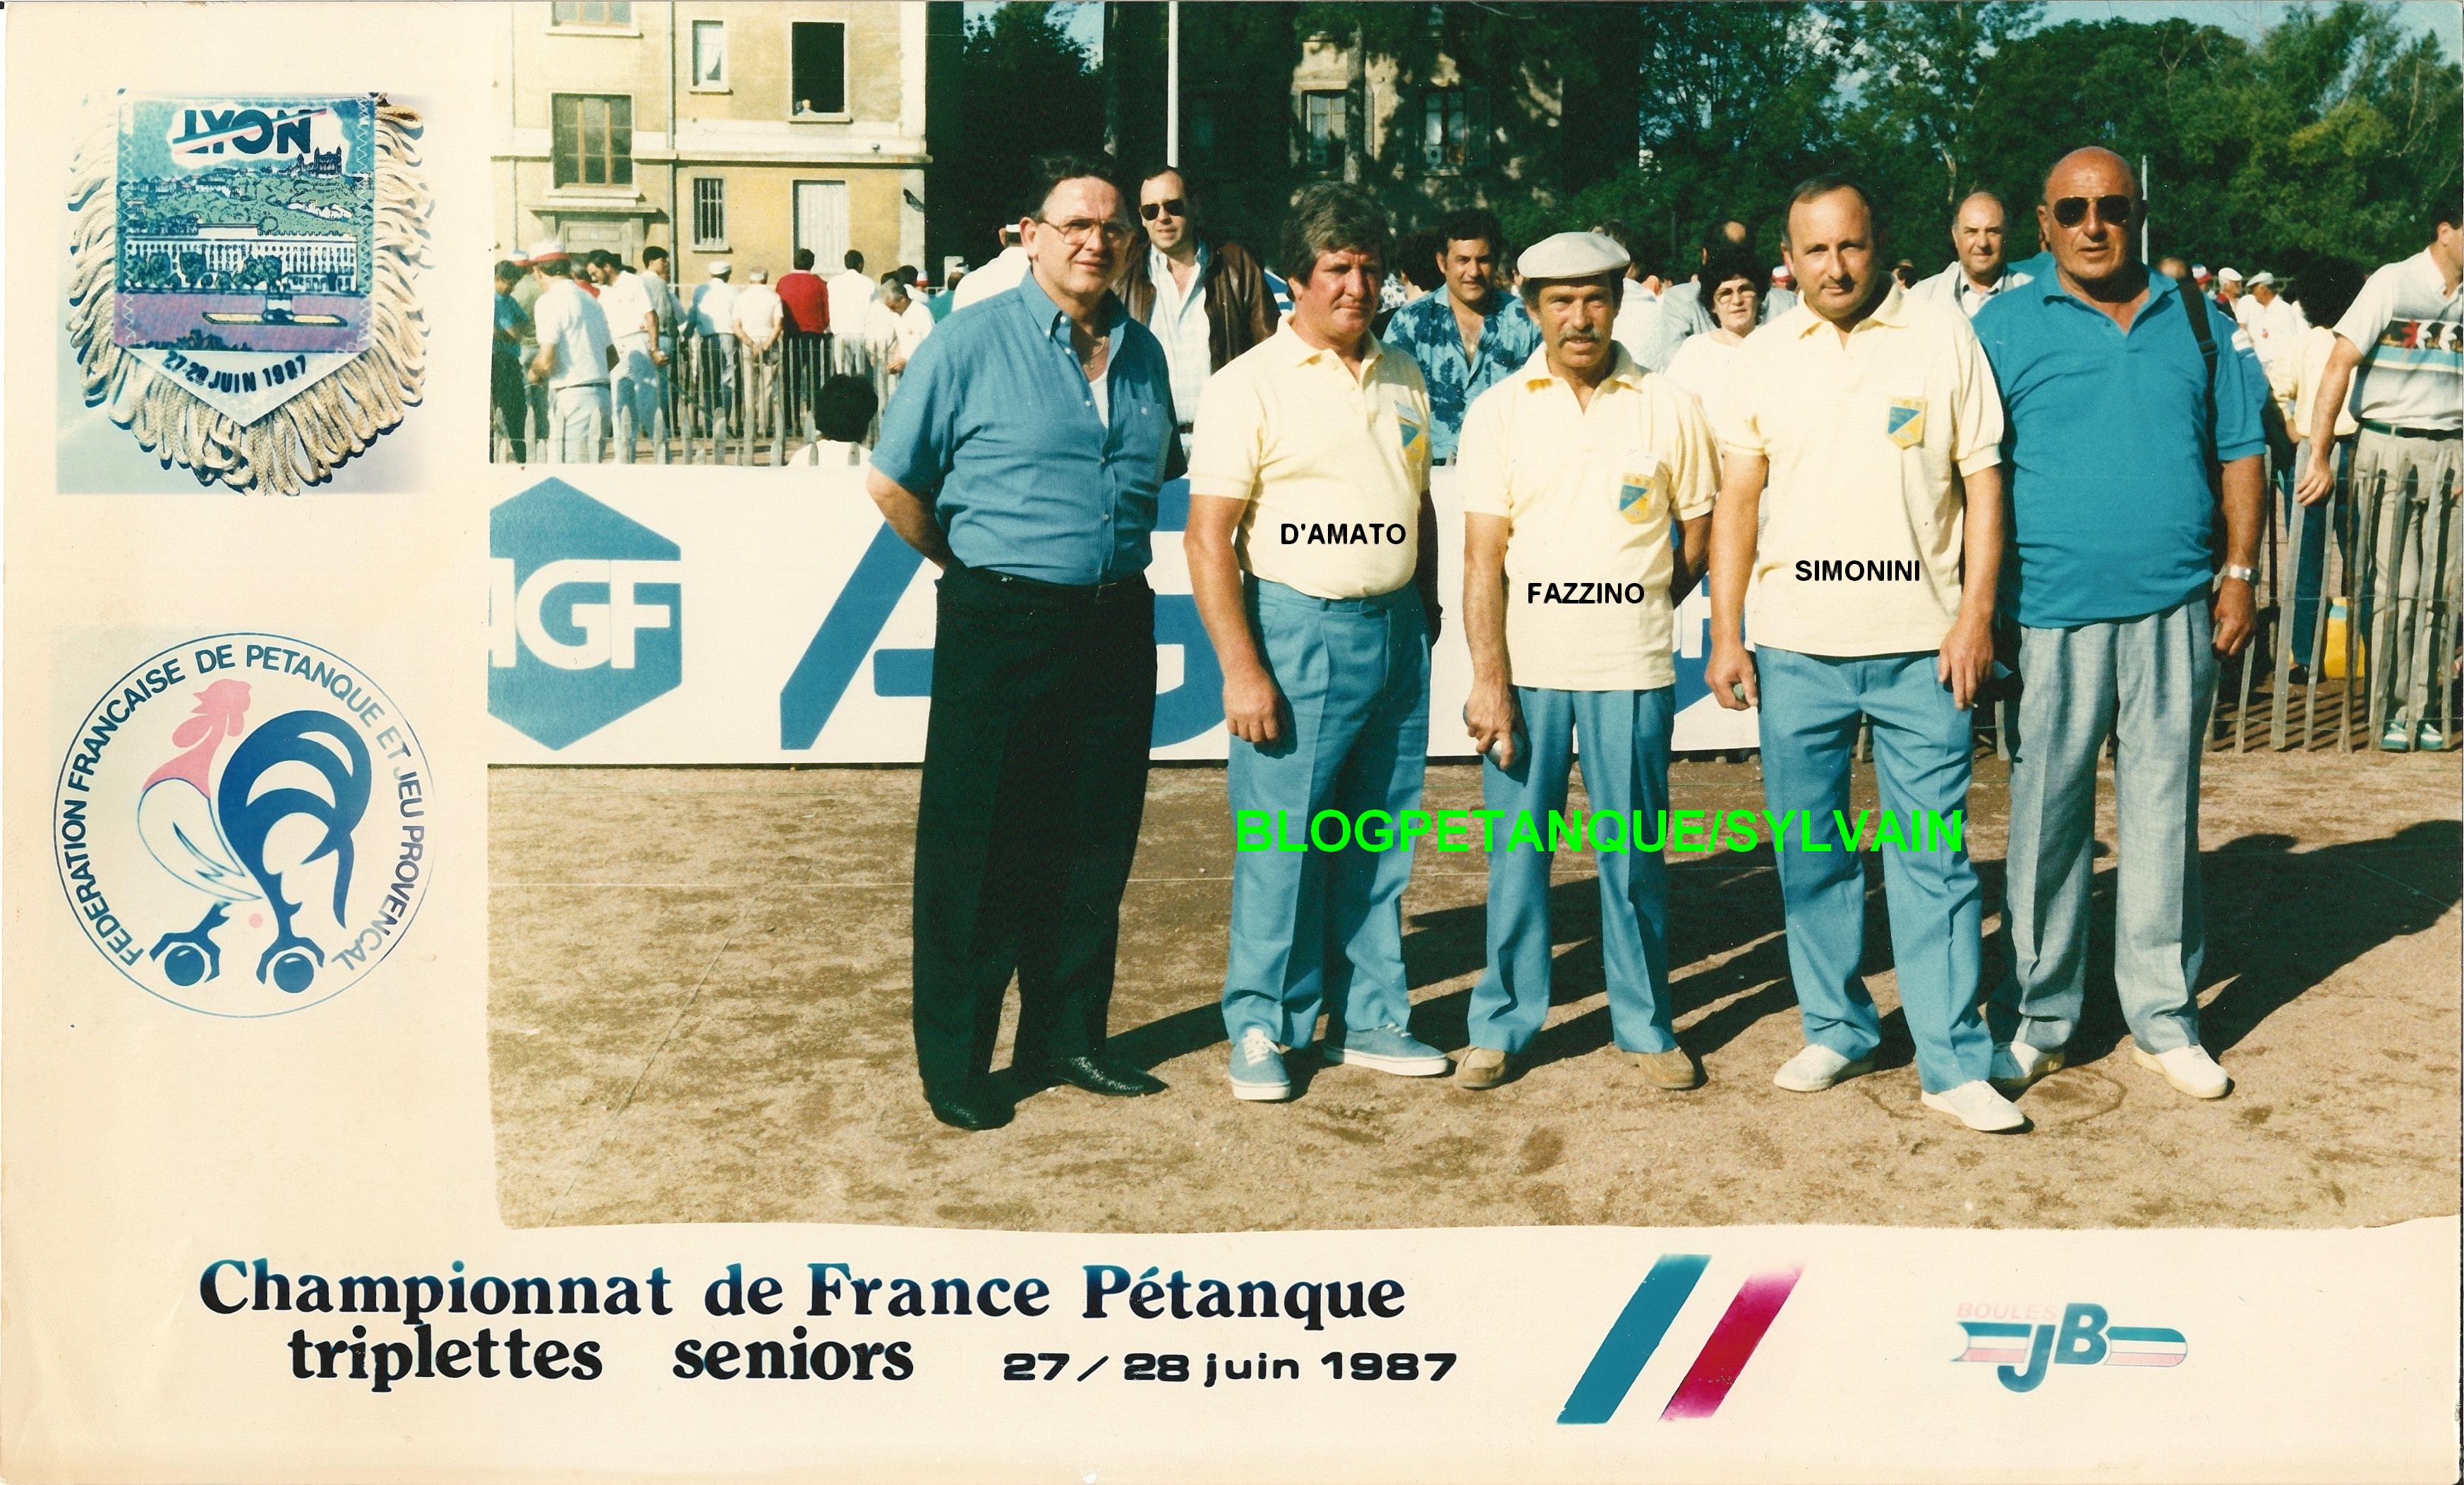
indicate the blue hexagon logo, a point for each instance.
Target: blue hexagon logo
{"x":586,"y":614}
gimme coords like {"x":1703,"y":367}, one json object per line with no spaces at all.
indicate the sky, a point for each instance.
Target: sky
{"x":2245,"y":18}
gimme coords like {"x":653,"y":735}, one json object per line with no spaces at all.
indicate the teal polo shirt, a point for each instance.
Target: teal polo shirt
{"x":2102,"y":446}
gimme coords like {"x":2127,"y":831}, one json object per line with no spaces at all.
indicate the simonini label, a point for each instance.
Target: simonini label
{"x":241,"y":825}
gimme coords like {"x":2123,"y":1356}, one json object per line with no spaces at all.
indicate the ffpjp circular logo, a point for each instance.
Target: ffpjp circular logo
{"x":241,"y":825}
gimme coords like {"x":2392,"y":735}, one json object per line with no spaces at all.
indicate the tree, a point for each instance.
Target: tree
{"x":1916,"y":116}
{"x":1031,"y":89}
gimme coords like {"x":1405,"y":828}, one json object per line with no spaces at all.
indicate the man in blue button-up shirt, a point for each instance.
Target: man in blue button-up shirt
{"x":2116,"y":421}
{"x":1022,"y":454}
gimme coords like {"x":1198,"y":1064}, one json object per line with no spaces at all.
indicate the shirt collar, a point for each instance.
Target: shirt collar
{"x":1536,"y":372}
{"x":1049,"y":319}
{"x":2048,"y":287}
{"x":1303,"y":352}
{"x":1892,"y":311}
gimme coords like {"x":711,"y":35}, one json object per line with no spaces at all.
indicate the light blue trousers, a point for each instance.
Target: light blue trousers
{"x":1625,"y":768}
{"x":1921,"y":742}
{"x":2149,"y":681}
{"x":1315,"y":927}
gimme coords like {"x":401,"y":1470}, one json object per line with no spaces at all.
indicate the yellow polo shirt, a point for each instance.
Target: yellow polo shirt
{"x":1588,"y":493}
{"x":1331,"y":467}
{"x":1860,"y":552}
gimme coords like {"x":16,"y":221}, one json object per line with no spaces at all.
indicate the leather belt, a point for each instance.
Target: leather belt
{"x":2393,"y":431}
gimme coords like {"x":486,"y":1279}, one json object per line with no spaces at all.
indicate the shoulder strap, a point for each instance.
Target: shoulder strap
{"x":2195,"y":308}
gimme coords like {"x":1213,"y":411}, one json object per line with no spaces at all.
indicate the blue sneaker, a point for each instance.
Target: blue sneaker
{"x":2397,"y":739}
{"x":1390,"y":1048}
{"x":1257,"y":1073}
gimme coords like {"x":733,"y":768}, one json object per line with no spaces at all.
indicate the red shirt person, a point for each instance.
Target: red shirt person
{"x":806,"y":297}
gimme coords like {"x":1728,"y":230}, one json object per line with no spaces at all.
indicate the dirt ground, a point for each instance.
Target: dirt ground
{"x":699,"y":1013}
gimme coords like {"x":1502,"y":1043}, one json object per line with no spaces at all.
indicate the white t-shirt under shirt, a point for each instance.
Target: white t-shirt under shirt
{"x":2409,"y":326}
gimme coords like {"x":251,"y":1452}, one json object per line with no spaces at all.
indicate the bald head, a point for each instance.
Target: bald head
{"x":2090,"y":171}
{"x":2091,"y":205}
{"x":1979,"y":234}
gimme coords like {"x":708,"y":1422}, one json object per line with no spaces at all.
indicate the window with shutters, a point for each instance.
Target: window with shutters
{"x":593,"y":139}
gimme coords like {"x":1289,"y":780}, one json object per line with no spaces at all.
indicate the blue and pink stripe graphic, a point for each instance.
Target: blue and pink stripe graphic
{"x":1643,"y":1323}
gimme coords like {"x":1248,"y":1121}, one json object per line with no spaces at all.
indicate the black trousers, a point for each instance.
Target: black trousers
{"x":1035,"y":775}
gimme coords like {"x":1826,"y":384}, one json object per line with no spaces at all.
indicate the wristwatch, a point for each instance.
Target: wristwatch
{"x":2239,"y":574}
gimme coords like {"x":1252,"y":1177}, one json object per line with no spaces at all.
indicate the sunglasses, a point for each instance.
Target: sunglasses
{"x":1175,"y":207}
{"x":2070,"y":210}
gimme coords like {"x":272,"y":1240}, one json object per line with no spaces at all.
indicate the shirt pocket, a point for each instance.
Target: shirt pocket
{"x":1642,"y":487}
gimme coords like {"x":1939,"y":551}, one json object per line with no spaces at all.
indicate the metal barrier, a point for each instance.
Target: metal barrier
{"x":712,"y":404}
{"x":2398,"y":656}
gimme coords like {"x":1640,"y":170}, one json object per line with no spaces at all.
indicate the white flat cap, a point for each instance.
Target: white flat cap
{"x":722,"y":269}
{"x":2262,"y":277}
{"x":1574,"y":255}
{"x":544,"y":249}
{"x":2229,"y":274}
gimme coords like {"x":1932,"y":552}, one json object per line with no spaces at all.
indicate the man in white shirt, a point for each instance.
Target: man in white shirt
{"x":2275,"y":326}
{"x":2400,"y":349}
{"x":574,"y":360}
{"x":900,"y":322}
{"x":760,"y":315}
{"x":658,"y":271}
{"x":632,"y":328}
{"x":713,"y":325}
{"x":1978,"y":234}
{"x":1001,"y":273}
{"x":850,"y":303}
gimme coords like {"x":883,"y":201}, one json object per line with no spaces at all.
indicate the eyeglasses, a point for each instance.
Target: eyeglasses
{"x":1175,"y":207}
{"x":1076,"y":231}
{"x":2070,"y":210}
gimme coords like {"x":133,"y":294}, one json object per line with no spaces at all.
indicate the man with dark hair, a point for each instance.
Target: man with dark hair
{"x":1312,"y":555}
{"x":1859,"y":530}
{"x":624,"y":297}
{"x":1685,"y":308}
{"x":2400,"y":349}
{"x":1470,"y":337}
{"x":2123,"y":614}
{"x":805,"y":296}
{"x":1023,"y":454}
{"x":1979,"y":266}
{"x":1205,"y":300}
{"x":505,"y":380}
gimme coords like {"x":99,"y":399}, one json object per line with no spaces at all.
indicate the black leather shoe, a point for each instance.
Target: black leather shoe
{"x":1104,"y":1075}
{"x":970,"y":1110}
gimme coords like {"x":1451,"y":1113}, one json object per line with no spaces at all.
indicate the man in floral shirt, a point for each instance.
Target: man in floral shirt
{"x":1469,"y":336}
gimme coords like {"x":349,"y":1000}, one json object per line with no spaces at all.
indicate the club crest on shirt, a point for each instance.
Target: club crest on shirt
{"x":1905,"y":421}
{"x":1638,"y":492}
{"x":1409,"y":430}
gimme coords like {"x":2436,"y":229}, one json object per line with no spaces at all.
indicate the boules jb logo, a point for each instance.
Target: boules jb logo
{"x":241,"y":825}
{"x":2020,"y":1346}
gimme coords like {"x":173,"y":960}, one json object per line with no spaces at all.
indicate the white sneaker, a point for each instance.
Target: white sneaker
{"x":2017,"y":1065}
{"x":1977,"y":1106}
{"x":2188,"y":1068}
{"x":1817,"y":1068}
